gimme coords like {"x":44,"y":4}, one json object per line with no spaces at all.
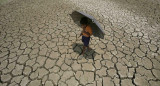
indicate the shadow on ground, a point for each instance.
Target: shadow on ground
{"x":77,"y":47}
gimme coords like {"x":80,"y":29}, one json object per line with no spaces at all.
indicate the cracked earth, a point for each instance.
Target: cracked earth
{"x":39,"y":44}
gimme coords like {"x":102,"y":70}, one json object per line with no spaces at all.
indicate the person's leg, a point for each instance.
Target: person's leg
{"x":88,"y":48}
{"x":83,"y":38}
{"x":84,"y":48}
{"x":85,"y":44}
{"x":88,"y":44}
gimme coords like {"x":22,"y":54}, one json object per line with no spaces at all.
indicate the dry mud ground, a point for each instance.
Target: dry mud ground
{"x":38,"y":48}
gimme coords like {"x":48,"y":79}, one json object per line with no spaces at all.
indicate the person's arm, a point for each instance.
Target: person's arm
{"x":81,"y":33}
{"x":86,"y":33}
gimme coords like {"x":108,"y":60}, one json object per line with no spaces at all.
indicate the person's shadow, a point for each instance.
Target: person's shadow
{"x":77,"y":47}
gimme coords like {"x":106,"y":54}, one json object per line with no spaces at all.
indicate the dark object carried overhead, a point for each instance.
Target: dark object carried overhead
{"x":96,"y":28}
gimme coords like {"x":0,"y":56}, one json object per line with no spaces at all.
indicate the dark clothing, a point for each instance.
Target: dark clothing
{"x":85,"y":40}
